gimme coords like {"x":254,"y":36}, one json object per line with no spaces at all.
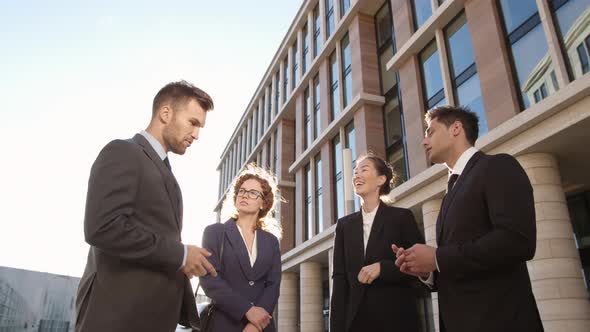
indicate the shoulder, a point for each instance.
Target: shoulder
{"x":120,"y":147}
{"x":269,"y":237}
{"x":347,"y":219}
{"x":216,"y":228}
{"x":501,"y":163}
{"x":401,"y":214}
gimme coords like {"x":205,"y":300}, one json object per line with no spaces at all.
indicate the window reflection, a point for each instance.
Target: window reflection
{"x":431,"y":75}
{"x":573,"y":25}
{"x":422,"y":11}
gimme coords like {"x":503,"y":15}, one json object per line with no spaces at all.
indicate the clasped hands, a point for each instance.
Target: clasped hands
{"x":418,"y":260}
{"x":258,"y":319}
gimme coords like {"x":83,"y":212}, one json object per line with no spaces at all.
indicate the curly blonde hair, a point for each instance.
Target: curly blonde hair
{"x":270,"y":196}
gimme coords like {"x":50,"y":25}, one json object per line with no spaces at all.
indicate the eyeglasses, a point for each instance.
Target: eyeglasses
{"x":252,"y":194}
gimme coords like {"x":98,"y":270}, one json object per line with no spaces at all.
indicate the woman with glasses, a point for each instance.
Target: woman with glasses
{"x":369,"y":291}
{"x":246,"y":290}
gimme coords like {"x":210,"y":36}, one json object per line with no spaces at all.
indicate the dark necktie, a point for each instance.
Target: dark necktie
{"x":167,"y":163}
{"x":452,"y":179}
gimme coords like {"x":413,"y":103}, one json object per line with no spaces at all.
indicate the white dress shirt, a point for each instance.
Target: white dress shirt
{"x":368,"y":218}
{"x":457,"y":169}
{"x":157,"y":146}
{"x":251,"y":254}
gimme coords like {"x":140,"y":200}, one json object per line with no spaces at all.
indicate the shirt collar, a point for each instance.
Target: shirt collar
{"x":155,"y":144}
{"x":370,"y":213}
{"x":462,"y":161}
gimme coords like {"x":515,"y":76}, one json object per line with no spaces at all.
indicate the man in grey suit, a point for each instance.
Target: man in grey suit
{"x":136,"y":276}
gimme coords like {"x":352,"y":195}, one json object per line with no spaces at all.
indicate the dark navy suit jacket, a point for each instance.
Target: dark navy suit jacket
{"x":239,"y":285}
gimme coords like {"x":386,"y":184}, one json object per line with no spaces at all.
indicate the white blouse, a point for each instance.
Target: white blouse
{"x":251,"y":254}
{"x":368,"y":218}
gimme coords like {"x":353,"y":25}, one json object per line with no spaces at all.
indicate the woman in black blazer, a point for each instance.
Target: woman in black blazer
{"x":246,"y":290}
{"x":369,"y":291}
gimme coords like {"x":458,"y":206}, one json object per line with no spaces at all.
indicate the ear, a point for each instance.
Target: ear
{"x":456,"y":128}
{"x":382,"y":179}
{"x":165,"y":114}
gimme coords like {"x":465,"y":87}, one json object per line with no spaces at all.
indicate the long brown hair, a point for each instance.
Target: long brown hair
{"x":270,"y":196}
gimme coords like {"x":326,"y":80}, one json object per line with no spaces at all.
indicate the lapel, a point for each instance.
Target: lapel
{"x":355,"y":234}
{"x":239,"y":247}
{"x":448,"y":199}
{"x":169,"y":181}
{"x":264,"y":252}
{"x":376,"y":230}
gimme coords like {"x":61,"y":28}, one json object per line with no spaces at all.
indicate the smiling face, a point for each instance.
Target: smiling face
{"x":183,"y":125}
{"x":249,"y":198}
{"x":366,"y":180}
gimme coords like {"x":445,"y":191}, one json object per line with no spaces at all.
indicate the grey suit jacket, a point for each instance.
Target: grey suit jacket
{"x":240,"y":285}
{"x":132,"y":222}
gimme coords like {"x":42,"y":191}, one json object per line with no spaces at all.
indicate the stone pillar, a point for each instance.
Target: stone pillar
{"x":556,"y":271}
{"x":430,"y":210}
{"x":312,"y":319}
{"x":288,"y":303}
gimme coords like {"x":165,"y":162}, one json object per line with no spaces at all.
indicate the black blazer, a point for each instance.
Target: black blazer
{"x":239,"y":286}
{"x":390,"y":301}
{"x":486,"y":232}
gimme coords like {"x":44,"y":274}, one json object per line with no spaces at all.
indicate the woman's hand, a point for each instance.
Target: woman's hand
{"x":258,"y":317}
{"x":369,"y":273}
{"x":251,"y":328}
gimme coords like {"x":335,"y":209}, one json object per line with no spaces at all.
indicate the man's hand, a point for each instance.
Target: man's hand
{"x":418,"y":260}
{"x":197,"y":263}
{"x":401,"y":262}
{"x":369,"y":273}
{"x":251,"y":328}
{"x":258,"y":317}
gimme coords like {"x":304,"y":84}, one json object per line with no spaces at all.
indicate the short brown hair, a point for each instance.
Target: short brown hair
{"x":448,"y":114}
{"x":179,"y":92}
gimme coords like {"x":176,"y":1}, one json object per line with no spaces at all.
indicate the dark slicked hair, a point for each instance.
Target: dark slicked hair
{"x":448,"y":114}
{"x":177,"y":93}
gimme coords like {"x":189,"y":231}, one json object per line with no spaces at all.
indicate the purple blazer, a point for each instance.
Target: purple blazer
{"x":241,"y":286}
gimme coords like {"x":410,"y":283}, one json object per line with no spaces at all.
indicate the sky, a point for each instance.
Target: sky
{"x":75,"y":75}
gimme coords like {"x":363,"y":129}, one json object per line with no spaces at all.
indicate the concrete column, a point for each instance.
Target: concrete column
{"x":312,"y":319}
{"x":288,"y":303}
{"x":430,"y":210}
{"x":556,"y":271}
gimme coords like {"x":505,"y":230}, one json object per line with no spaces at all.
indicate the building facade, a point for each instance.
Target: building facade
{"x":357,"y":76}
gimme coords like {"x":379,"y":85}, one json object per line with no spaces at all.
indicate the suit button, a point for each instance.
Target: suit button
{"x":251,"y":283}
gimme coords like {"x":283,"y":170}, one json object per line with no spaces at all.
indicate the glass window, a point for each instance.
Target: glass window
{"x":305,"y":59}
{"x":308,"y":200}
{"x":307,"y":119}
{"x":275,"y":152}
{"x":295,"y":66}
{"x":394,"y":137}
{"x":463,"y":69}
{"x":528,"y":45}
{"x":263,"y":119}
{"x":286,"y":80}
{"x":346,"y":72}
{"x":334,"y":97}
{"x":344,"y":6}
{"x":384,"y":26}
{"x":338,"y":181}
{"x":431,"y":75}
{"x":571,"y":18}
{"x":515,"y":13}
{"x":422,"y":11}
{"x":254,"y":129}
{"x":579,"y":211}
{"x":329,"y":18}
{"x":316,"y":31}
{"x":583,"y":58}
{"x":268,"y":105}
{"x":317,"y":129}
{"x":318,"y":195}
{"x":277,"y":93}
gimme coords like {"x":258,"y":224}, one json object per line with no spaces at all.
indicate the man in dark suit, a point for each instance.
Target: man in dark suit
{"x":136,"y":276}
{"x":485,"y":233}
